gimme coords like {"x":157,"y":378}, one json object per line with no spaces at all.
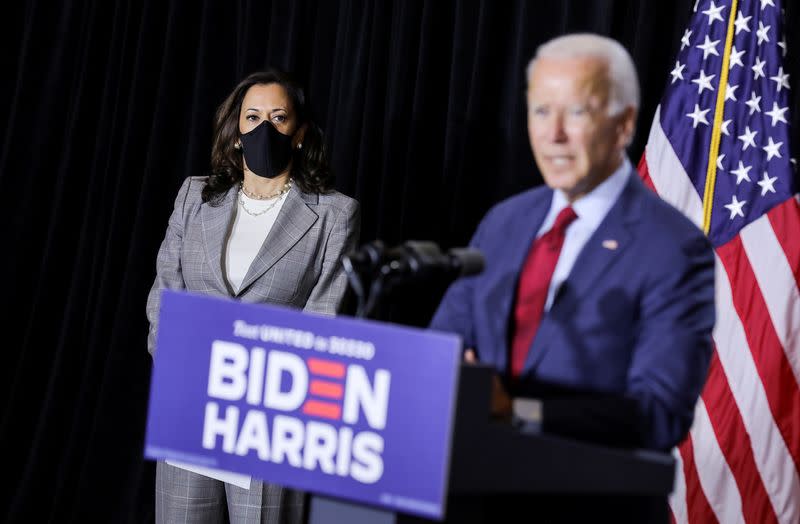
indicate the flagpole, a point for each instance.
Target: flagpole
{"x":711,"y":170}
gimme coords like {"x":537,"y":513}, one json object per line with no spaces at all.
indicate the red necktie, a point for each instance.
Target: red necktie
{"x":534,"y":282}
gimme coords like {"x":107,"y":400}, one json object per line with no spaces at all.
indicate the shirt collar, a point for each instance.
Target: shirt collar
{"x":593,"y":207}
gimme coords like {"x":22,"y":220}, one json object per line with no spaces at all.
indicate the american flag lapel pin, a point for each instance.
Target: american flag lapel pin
{"x":610,"y":243}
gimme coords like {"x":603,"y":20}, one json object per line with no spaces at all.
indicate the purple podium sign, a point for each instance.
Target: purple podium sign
{"x":343,"y":407}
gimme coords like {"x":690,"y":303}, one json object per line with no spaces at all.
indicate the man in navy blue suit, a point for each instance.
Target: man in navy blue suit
{"x":597,"y":297}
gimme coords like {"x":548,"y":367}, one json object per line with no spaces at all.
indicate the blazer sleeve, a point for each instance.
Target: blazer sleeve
{"x":455,"y":311}
{"x":168,"y":263}
{"x":328,"y":293}
{"x":674,"y":346}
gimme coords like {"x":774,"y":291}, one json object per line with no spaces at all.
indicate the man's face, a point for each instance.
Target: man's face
{"x":577,"y":145}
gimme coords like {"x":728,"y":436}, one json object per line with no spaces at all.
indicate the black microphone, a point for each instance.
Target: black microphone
{"x":413,"y":258}
{"x":410,"y":258}
{"x":422,"y":258}
{"x":465,"y":261}
{"x":372,"y":269}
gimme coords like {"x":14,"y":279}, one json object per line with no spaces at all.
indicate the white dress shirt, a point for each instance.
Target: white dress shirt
{"x":591,"y":210}
{"x":248,"y":235}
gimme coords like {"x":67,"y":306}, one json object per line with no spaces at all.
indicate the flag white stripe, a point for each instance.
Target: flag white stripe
{"x":778,"y":285}
{"x":677,"y":499}
{"x":773,"y":460}
{"x":715,"y":477}
{"x":772,"y":457}
{"x":665,"y":169}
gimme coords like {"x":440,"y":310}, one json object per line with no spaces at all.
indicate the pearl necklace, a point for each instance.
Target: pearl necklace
{"x":286,"y":188}
{"x":275,"y":199}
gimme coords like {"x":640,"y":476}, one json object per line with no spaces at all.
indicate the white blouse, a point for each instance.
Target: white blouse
{"x":248,"y":234}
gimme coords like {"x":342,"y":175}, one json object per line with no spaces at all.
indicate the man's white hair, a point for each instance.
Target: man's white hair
{"x":623,"y":81}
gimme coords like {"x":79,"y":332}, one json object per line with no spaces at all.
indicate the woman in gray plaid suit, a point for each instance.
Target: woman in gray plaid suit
{"x":264,"y":227}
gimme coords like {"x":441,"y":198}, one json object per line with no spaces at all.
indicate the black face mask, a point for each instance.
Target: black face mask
{"x":267,"y":151}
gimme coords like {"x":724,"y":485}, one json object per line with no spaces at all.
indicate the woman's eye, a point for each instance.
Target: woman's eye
{"x":252,"y":118}
{"x":279,"y":119}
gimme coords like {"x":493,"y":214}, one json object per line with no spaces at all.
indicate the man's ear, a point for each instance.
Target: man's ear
{"x":626,"y":126}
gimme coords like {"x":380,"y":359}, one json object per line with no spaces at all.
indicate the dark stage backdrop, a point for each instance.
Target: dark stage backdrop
{"x":107,"y":106}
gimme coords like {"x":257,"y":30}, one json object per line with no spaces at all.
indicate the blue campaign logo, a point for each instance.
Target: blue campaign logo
{"x":343,"y":407}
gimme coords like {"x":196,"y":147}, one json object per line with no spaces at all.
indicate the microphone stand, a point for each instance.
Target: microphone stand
{"x":370,"y":275}
{"x":366,"y":293}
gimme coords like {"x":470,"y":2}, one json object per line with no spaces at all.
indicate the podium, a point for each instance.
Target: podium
{"x":376,"y":422}
{"x":492,"y":460}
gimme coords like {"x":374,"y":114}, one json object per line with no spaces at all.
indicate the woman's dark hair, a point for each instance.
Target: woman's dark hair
{"x":310,"y":168}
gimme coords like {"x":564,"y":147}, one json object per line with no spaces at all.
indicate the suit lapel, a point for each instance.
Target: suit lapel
{"x":612,"y":237}
{"x":524,"y":227}
{"x":216,"y":221}
{"x":294,"y":220}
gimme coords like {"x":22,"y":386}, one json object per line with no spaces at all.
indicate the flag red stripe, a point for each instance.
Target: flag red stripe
{"x":735,"y":444}
{"x":699,"y":509}
{"x":644,"y":173}
{"x":773,"y":367}
{"x":785,"y":220}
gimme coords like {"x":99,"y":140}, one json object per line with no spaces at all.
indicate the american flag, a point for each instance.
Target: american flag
{"x":719,"y":151}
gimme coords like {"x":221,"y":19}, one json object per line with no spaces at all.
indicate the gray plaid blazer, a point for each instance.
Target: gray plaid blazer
{"x":298,"y":264}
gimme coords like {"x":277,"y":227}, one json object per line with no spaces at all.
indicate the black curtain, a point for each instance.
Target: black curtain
{"x":108,"y":106}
